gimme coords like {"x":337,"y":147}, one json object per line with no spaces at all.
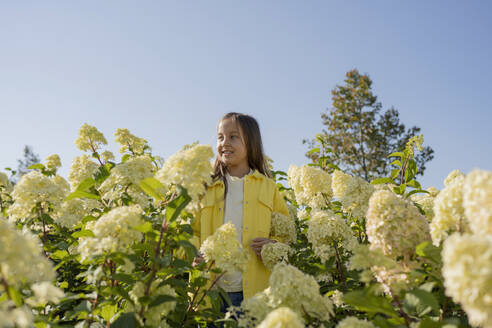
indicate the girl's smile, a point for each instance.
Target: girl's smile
{"x":231,"y":147}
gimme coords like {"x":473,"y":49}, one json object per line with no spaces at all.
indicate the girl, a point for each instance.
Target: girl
{"x":244,"y":193}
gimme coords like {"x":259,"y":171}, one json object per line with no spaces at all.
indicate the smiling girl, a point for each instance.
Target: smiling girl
{"x":244,"y":193}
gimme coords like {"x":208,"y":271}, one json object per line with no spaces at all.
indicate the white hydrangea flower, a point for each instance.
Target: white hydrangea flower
{"x":353,"y":322}
{"x":53,"y":162}
{"x":156,"y":315}
{"x":71,"y":212}
{"x":107,"y":155}
{"x":449,"y":213}
{"x":13,"y":316}
{"x":282,"y":317}
{"x":81,"y":169}
{"x":24,"y":263}
{"x":302,"y":214}
{"x":224,"y":248}
{"x":125,"y":177}
{"x":45,"y":292}
{"x":34,"y":188}
{"x":299,"y":291}
{"x":393,"y":276}
{"x":90,"y":139}
{"x":310,"y":184}
{"x":337,"y":298}
{"x":467,"y":272}
{"x":477,"y":201}
{"x":453,"y":176}
{"x":255,"y":309}
{"x":190,"y":168}
{"x":426,"y":202}
{"x":129,"y":141}
{"x":283,"y":228}
{"x":352,"y":192}
{"x":395,"y":225}
{"x":113,"y":231}
{"x":273,"y":253}
{"x":325,"y":229}
{"x":4,"y":182}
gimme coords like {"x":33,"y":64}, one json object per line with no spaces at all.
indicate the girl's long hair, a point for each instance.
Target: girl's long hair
{"x":250,"y":132}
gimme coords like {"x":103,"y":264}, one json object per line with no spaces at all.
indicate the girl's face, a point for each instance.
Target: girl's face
{"x":231,"y":148}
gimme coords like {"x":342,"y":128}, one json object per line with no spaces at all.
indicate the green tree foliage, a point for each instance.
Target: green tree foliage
{"x":359,"y":135}
{"x":29,"y":158}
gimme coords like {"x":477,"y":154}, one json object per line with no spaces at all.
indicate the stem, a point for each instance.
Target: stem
{"x":340,"y":269}
{"x":44,"y":224}
{"x":400,"y":309}
{"x":403,"y":169}
{"x":94,"y":151}
{"x":6,"y":286}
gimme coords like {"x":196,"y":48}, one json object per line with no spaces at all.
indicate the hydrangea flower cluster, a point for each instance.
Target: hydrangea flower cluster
{"x":90,"y":139}
{"x":393,"y":276}
{"x":352,"y":192}
{"x":125,"y":177}
{"x":81,"y":169}
{"x":129,"y":142}
{"x":299,"y":291}
{"x":113,"y":231}
{"x":325,"y":230}
{"x":24,"y":262}
{"x":273,"y":253}
{"x":426,"y":202}
{"x":156,"y":315}
{"x":282,"y":317}
{"x":12,"y":316}
{"x":467,"y":272}
{"x":34,"y":188}
{"x":224,"y":248}
{"x":71,"y":212}
{"x":289,"y":287}
{"x":449,"y":213}
{"x":283,"y":228}
{"x":394,"y":225}
{"x":477,"y":201}
{"x":311,"y":185}
{"x":52,"y":162}
{"x":353,"y":322}
{"x":190,"y":168}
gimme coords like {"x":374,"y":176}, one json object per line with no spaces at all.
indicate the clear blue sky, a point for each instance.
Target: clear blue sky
{"x":168,"y":70}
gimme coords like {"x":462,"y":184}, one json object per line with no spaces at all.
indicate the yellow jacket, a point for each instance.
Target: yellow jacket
{"x":261,"y":197}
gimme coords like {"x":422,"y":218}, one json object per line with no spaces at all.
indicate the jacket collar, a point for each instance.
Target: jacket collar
{"x":256,"y":174}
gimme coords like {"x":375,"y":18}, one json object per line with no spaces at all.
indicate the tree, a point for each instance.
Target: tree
{"x":29,"y":158}
{"x":358,"y":137}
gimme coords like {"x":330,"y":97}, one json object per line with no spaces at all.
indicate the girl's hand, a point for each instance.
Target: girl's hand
{"x":258,"y":243}
{"x":198,"y":259}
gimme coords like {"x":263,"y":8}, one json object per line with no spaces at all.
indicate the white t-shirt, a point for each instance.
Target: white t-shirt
{"x":233,"y":281}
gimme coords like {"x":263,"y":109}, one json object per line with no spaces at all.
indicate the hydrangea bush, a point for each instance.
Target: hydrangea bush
{"x":113,"y":245}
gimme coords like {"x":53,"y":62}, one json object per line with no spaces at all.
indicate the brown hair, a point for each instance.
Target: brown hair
{"x":250,"y":132}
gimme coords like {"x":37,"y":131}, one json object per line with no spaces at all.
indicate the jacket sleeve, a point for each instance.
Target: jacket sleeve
{"x":279,"y":204}
{"x":196,"y":224}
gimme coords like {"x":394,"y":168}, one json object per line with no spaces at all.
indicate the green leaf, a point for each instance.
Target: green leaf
{"x":59,"y":255}
{"x":38,"y":166}
{"x":429,"y":251}
{"x":396,"y":154}
{"x":108,"y":311}
{"x":151,"y":187}
{"x":175,"y":207}
{"x":312,"y":151}
{"x":414,"y":184}
{"x":396,"y":162}
{"x":146,"y":227}
{"x":395,"y":173}
{"x":417,"y":191}
{"x":83,"y":233}
{"x":381,"y":180}
{"x":125,"y":157}
{"x":15,"y":295}
{"x":411,"y":170}
{"x":423,"y":301}
{"x":82,"y":194}
{"x":126,"y":320}
{"x":368,"y":302}
{"x":189,"y":248}
{"x":161,"y":299}
{"x":86,"y":184}
{"x":126,"y":278}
